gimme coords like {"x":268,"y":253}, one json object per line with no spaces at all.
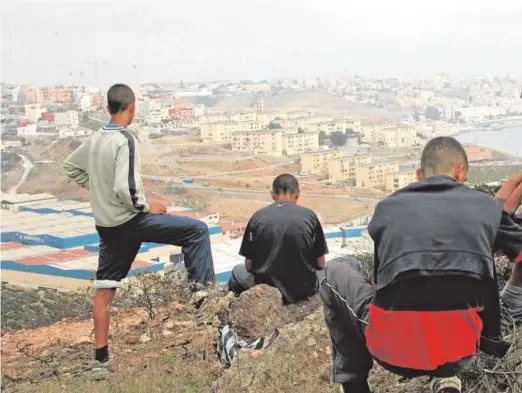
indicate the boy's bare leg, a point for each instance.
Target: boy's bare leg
{"x":101,"y":313}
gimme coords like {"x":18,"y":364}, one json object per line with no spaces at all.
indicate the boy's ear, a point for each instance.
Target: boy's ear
{"x":420,"y":174}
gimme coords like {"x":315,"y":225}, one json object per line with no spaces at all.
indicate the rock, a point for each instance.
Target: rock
{"x":166,"y":333}
{"x":145,"y":338}
{"x":132,"y":339}
{"x":199,"y":296}
{"x":169,"y":325}
{"x":82,"y":340}
{"x":163,"y":310}
{"x":178,"y":343}
{"x":216,"y":321}
{"x":256,"y":312}
{"x":168,"y":370}
{"x":154,"y":323}
{"x":184,"y":323}
{"x":311,"y":341}
{"x":256,"y":354}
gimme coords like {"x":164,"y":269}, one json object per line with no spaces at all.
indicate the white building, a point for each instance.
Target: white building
{"x":152,"y":112}
{"x":5,"y":144}
{"x":66,"y":133}
{"x":69,"y":119}
{"x":86,"y":103}
{"x":29,"y":130}
{"x":15,"y":93}
{"x":33,"y":112}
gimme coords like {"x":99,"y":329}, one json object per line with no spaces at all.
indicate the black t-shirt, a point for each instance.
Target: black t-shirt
{"x":283,"y":240}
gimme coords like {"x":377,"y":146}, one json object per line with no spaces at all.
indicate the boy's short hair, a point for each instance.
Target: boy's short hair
{"x":285,"y":184}
{"x":119,"y":97}
{"x":441,"y":154}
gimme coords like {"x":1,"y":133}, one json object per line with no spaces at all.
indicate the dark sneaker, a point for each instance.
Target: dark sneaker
{"x":355,"y":388}
{"x":446,"y":385}
{"x":100,"y":371}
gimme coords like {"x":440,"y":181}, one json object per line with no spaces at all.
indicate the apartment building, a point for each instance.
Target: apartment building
{"x":46,"y":95}
{"x":182,"y":113}
{"x":67,"y":133}
{"x":222,"y":131}
{"x":28,"y":130}
{"x":340,"y":124}
{"x":268,"y":142}
{"x":297,"y":143}
{"x":374,"y":175}
{"x":62,"y":94}
{"x":316,"y":162}
{"x":28,"y":93}
{"x":10,"y":144}
{"x":88,"y":102}
{"x":400,"y":136}
{"x":228,"y":117}
{"x":274,"y":142}
{"x":66,"y":119}
{"x":397,"y":180}
{"x":33,"y":112}
{"x":309,"y":123}
{"x":344,"y":168}
{"x":372,"y":133}
{"x":152,"y":111}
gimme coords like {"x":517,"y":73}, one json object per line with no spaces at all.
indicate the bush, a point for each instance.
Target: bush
{"x":31,"y":309}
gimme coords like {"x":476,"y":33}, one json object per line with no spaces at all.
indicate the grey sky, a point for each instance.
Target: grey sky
{"x":47,"y":42}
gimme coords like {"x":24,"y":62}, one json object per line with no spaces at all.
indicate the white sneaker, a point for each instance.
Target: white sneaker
{"x":446,"y":385}
{"x":100,"y":371}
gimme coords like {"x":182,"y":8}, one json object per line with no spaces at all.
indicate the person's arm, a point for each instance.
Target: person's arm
{"x":510,"y":194}
{"x":320,"y":247}
{"x":509,"y":238}
{"x":247,"y":249}
{"x":76,"y":166}
{"x":127,"y":180}
{"x":514,"y":201}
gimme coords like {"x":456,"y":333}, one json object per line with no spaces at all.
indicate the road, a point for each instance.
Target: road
{"x":175,"y":181}
{"x":28,"y":166}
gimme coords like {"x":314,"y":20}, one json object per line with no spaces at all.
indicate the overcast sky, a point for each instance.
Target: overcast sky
{"x":46,"y":42}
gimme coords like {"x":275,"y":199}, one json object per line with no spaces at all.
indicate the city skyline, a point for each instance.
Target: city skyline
{"x":203,"y":41}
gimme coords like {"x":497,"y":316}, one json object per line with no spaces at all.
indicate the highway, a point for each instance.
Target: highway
{"x":175,"y":182}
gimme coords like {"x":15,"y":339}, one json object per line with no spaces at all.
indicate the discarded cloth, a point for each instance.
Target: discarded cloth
{"x":230,"y":343}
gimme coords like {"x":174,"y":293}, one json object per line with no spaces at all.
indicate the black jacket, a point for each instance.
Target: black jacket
{"x":438,"y":228}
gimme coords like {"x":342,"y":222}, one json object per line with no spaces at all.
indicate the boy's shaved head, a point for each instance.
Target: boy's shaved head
{"x":441,"y":155}
{"x":119,"y":97}
{"x":285,"y":184}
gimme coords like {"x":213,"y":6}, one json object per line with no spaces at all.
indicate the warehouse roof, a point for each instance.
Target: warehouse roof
{"x":24,"y":198}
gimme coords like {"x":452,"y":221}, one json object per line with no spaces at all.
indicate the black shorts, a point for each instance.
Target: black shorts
{"x":120,"y":245}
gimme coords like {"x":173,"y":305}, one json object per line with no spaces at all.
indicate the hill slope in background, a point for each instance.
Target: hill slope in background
{"x":312,"y":100}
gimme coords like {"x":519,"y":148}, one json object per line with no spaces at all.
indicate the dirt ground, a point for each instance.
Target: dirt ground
{"x":175,"y":352}
{"x":240,"y":206}
{"x":181,"y":156}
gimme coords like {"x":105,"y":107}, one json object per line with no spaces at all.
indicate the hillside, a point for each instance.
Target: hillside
{"x":312,"y":100}
{"x":48,"y":175}
{"x":171,"y":347}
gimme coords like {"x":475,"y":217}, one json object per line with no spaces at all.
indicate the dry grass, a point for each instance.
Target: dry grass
{"x":180,"y":356}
